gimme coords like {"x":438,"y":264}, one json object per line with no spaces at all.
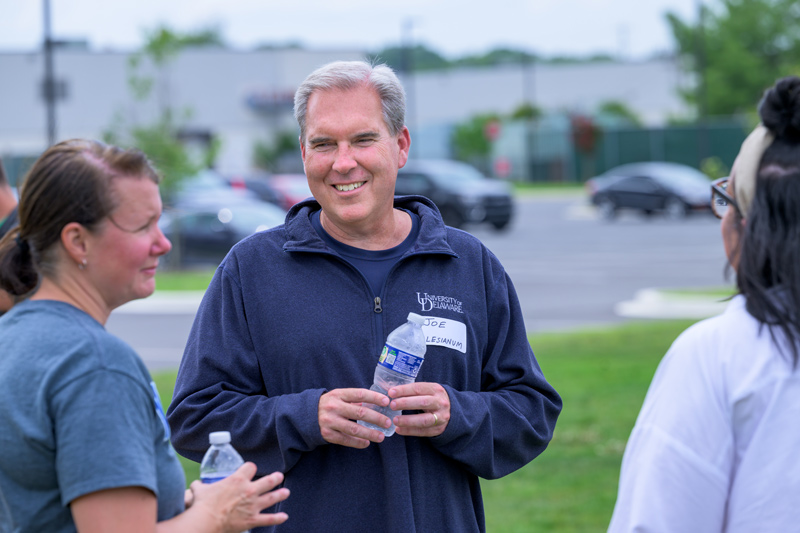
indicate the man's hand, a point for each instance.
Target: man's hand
{"x":431,"y":398}
{"x":340,"y":409}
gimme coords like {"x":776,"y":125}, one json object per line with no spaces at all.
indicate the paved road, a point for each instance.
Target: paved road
{"x":570,"y":270}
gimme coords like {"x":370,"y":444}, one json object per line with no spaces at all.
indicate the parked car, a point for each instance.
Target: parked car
{"x":462,"y":194}
{"x":283,"y":190}
{"x":292,"y":187}
{"x":669,"y":188}
{"x":259,"y":184}
{"x":203,"y":232}
{"x":208,"y":185}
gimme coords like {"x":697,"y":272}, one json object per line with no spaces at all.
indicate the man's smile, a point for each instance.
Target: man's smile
{"x":349,"y":186}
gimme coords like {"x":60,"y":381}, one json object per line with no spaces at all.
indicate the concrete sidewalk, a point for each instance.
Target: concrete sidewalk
{"x":653,"y":303}
{"x":164,"y":302}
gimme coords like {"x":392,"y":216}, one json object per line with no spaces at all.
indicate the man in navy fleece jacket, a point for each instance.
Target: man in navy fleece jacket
{"x":286,"y":340}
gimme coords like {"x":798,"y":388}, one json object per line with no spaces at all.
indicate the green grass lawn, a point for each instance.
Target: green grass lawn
{"x":602,"y":376}
{"x":165,"y":382}
{"x":719,"y":293}
{"x":184,"y":280}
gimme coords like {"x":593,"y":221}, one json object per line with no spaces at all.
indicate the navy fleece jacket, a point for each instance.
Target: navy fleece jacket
{"x":285,"y":320}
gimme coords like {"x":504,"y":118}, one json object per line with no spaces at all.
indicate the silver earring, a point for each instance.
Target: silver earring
{"x":82,"y":264}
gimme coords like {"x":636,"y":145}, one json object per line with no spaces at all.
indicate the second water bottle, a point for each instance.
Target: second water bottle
{"x":221,"y":459}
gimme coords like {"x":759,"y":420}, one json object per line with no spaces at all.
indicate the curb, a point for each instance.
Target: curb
{"x":652,"y":303}
{"x":164,"y":302}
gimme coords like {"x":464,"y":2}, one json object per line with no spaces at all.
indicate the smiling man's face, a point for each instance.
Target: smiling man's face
{"x":351,"y":159}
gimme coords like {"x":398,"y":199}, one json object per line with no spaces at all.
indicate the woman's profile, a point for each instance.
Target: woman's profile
{"x":715,"y":445}
{"x":85,"y":445}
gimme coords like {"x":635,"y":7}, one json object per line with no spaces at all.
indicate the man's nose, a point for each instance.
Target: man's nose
{"x":345,"y":160}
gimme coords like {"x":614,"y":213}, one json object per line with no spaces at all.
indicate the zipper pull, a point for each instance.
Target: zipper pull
{"x":378,"y":308}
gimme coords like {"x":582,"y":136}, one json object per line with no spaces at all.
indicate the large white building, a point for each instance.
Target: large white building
{"x":246,"y":97}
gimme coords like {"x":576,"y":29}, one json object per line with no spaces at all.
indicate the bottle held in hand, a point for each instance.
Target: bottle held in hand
{"x":399,"y":364}
{"x":221,"y":459}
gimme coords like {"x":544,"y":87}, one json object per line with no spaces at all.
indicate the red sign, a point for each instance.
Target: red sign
{"x":492,"y":130}
{"x":502,"y":167}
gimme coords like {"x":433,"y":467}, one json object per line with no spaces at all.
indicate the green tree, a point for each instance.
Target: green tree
{"x":497,"y":56}
{"x":736,"y":50}
{"x":573,"y":60}
{"x":526,"y":111}
{"x":424,"y":58}
{"x":470,"y":140}
{"x":266,"y":156}
{"x":160,"y":139}
{"x":617,"y":109}
{"x":714,"y":168}
{"x":419,"y":57}
{"x":163,"y":44}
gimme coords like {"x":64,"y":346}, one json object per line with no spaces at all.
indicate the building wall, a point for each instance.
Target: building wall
{"x":648,"y":88}
{"x":214,"y":85}
{"x":217,"y":84}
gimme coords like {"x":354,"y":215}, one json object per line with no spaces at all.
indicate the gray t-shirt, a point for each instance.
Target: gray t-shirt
{"x":79,"y":414}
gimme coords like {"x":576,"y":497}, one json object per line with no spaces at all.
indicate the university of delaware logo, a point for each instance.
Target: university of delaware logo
{"x":429,"y":302}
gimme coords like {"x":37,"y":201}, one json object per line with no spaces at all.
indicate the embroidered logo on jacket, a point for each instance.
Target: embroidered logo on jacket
{"x":429,"y":302}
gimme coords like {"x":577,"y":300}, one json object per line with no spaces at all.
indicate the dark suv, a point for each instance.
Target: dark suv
{"x":460,"y":191}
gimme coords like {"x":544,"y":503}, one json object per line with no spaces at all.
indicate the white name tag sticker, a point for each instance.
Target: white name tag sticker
{"x":445,"y":332}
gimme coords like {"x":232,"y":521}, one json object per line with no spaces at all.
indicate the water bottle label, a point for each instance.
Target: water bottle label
{"x":400,"y":361}
{"x":214,"y":478}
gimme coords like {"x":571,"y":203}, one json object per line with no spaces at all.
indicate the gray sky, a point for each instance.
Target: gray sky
{"x":631,"y":28}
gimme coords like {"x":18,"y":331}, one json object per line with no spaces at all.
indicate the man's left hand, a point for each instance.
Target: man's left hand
{"x":431,"y":398}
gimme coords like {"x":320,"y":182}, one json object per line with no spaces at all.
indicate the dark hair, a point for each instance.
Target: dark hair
{"x":70,"y":182}
{"x":768,"y":274}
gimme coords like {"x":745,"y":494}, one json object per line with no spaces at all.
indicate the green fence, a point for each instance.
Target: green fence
{"x":689,"y":145}
{"x":546,"y":152}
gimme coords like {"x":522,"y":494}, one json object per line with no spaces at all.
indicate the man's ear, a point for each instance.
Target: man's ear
{"x":404,"y":143}
{"x":74,"y":240}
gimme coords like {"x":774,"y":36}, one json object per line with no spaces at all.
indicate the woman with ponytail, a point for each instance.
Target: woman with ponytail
{"x":715,"y":445}
{"x":84,"y":444}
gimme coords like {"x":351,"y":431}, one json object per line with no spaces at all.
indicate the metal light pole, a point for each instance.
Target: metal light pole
{"x":529,"y":152}
{"x":702,"y":95}
{"x":407,"y":62}
{"x":49,"y":88}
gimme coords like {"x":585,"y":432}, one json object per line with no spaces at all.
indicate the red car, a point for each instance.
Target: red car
{"x":283,"y":190}
{"x":292,"y":188}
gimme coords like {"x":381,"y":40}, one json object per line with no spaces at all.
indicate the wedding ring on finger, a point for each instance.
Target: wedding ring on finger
{"x":435,"y":419}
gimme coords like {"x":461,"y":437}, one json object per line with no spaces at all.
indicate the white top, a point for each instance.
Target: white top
{"x":716,"y":446}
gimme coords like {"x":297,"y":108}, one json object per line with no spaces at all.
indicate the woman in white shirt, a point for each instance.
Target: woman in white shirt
{"x":715,"y":445}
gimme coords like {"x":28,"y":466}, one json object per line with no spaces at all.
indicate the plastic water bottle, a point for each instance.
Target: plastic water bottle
{"x":221,"y":459}
{"x":399,"y":364}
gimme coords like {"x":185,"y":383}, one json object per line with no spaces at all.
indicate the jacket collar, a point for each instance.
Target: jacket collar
{"x":432,"y":238}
